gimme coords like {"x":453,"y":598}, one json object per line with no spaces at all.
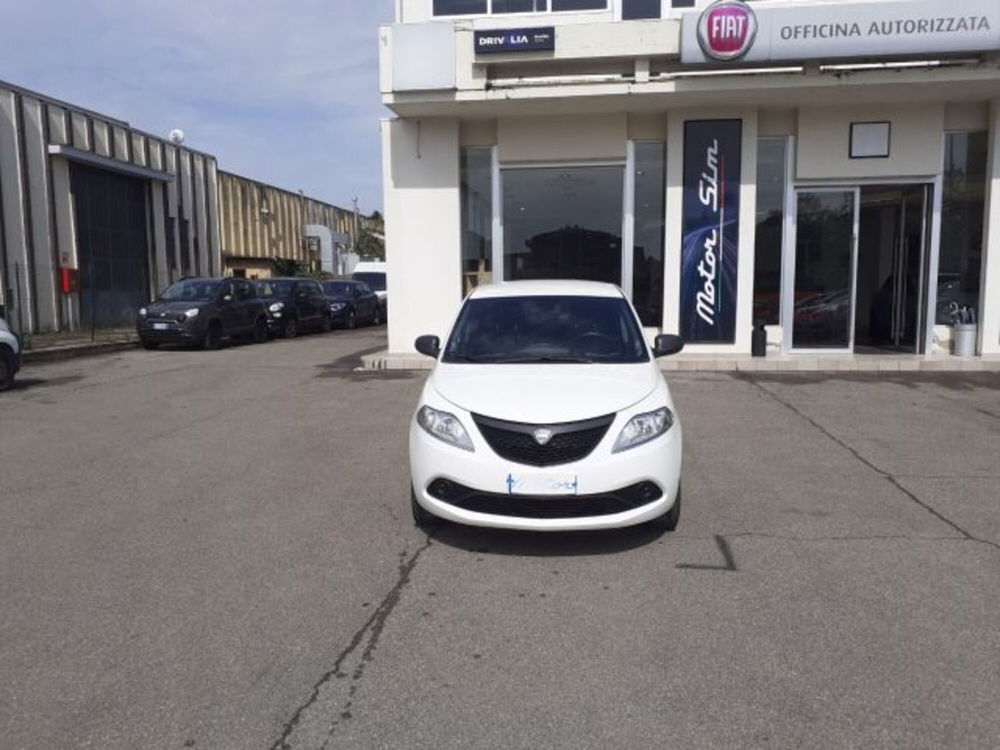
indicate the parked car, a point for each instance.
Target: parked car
{"x":352,"y":302}
{"x":373,"y":273}
{"x":295,"y":305}
{"x":203,"y":311}
{"x":10,"y":356}
{"x":546,"y":411}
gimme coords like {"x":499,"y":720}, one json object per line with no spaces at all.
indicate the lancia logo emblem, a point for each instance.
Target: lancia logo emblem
{"x":726,"y":30}
{"x":542,"y":436}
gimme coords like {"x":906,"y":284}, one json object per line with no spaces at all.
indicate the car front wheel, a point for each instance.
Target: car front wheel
{"x":377,"y":316}
{"x":150,"y":345}
{"x":290,"y":329}
{"x":213,"y":337}
{"x":6,"y":369}
{"x":422,"y":518}
{"x":352,"y":319}
{"x":260,"y":331}
{"x":669,"y":520}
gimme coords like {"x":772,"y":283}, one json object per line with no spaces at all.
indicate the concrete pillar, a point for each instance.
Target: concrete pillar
{"x":420,"y":169}
{"x":12,"y":193}
{"x":161,"y":270}
{"x":66,"y":235}
{"x":989,"y":313}
{"x":43,"y":244}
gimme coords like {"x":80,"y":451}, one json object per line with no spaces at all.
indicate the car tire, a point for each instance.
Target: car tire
{"x":377,"y":316}
{"x":260,"y":331}
{"x":6,"y":368}
{"x":291,"y":329}
{"x":326,"y":324}
{"x":213,"y":337}
{"x":352,"y":319}
{"x":422,"y":518}
{"x":669,"y":520}
{"x":150,"y":345}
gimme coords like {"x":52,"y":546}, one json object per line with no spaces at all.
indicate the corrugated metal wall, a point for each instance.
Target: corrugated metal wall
{"x":37,"y":227}
{"x":262,"y":221}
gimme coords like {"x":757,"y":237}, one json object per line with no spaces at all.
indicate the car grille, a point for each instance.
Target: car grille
{"x":570,"y":441}
{"x":553,"y":506}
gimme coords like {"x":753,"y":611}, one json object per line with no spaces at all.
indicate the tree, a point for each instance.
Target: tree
{"x":371,"y":238}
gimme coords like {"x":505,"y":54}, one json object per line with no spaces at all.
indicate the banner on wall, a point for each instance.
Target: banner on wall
{"x":710,"y":229}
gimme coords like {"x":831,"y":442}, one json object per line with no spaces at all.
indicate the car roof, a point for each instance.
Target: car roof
{"x":547,"y":288}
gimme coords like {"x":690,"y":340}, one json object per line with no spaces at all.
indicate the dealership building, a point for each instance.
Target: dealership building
{"x":828,"y":170}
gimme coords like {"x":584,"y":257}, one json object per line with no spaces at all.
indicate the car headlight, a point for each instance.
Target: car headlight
{"x":192,"y":313}
{"x":644,"y":427}
{"x":337,"y":306}
{"x":142,"y":312}
{"x":444,"y":426}
{"x":276,"y":306}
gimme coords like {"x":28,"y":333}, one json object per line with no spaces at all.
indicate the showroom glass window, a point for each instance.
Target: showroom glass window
{"x":563,"y":222}
{"x":772,"y":154}
{"x":477,"y":217}
{"x":962,"y":222}
{"x":650,"y":213}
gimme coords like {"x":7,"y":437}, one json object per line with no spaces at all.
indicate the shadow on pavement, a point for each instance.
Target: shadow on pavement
{"x":25,"y":384}
{"x":544,"y":543}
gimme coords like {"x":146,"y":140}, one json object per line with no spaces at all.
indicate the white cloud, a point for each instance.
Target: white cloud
{"x":284,"y":92}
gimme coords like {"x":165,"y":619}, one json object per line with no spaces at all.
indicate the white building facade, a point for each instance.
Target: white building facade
{"x":829,"y":170}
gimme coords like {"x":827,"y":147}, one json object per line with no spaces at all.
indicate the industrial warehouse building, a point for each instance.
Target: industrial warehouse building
{"x":829,"y":169}
{"x":97,"y":216}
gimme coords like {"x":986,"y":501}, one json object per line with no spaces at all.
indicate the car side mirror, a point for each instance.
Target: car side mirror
{"x":667,"y":344}
{"x":429,"y":345}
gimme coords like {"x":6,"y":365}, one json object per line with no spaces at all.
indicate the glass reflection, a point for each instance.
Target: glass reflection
{"x":823,"y":270}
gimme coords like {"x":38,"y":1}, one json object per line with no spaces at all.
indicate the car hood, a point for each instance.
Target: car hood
{"x":155,"y":308}
{"x":545,"y":393}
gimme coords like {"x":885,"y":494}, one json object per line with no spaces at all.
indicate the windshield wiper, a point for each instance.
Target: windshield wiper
{"x":543,"y":360}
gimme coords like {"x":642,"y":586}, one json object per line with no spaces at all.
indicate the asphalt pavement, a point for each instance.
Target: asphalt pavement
{"x":214,"y":550}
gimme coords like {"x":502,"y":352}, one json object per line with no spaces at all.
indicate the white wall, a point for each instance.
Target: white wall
{"x":420,"y":172}
{"x":916,"y":146}
{"x":989,"y":320}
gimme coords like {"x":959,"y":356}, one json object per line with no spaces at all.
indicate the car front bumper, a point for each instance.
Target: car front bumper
{"x":174,"y":333}
{"x":599,"y":475}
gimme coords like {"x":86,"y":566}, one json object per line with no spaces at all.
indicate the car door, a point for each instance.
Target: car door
{"x":245,"y":304}
{"x":228,"y":307}
{"x":366,"y":302}
{"x":318,"y":301}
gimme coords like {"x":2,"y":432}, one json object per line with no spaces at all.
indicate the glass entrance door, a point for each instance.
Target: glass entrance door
{"x":891,"y":261}
{"x":825,"y":260}
{"x":563,"y":222}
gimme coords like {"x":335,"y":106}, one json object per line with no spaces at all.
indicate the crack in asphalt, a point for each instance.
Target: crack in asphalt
{"x":313,"y":718}
{"x":888,"y":476}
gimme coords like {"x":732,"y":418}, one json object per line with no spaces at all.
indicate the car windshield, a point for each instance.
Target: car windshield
{"x":376,"y":280}
{"x":338,"y":288}
{"x":524,"y":330}
{"x":193,"y":290}
{"x":274,"y":288}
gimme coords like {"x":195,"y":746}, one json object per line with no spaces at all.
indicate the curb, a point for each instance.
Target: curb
{"x":57,"y":353}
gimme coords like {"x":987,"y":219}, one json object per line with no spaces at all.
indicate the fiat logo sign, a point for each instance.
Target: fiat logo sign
{"x":726,"y":30}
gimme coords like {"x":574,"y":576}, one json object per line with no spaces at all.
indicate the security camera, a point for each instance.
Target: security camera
{"x":176,"y":136}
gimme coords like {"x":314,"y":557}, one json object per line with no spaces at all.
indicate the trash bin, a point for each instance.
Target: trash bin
{"x":963,"y":337}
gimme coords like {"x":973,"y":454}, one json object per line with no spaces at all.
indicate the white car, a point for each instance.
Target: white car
{"x":10,"y":356}
{"x":546,"y":411}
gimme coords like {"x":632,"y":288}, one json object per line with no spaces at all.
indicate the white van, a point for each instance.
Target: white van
{"x":373,"y":274}
{"x":10,"y":356}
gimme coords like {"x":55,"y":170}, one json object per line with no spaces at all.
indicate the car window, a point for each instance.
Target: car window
{"x":244,"y":291}
{"x":532,"y":329}
{"x":374,"y":279}
{"x":192,"y":289}
{"x":365,"y":289}
{"x":226,"y":289}
{"x":337,"y":288}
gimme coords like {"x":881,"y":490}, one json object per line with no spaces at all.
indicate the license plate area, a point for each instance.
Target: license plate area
{"x":161,"y":327}
{"x":519,"y":483}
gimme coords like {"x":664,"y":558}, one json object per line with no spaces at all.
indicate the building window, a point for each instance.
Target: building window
{"x":962,"y":211}
{"x":649,"y":212}
{"x":519,"y":6}
{"x":459,"y":7}
{"x":634,"y":9}
{"x":477,"y":217}
{"x":558,"y":5}
{"x":487,"y":7}
{"x":772,"y":155}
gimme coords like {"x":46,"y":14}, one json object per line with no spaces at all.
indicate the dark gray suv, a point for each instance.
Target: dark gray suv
{"x":203,"y":311}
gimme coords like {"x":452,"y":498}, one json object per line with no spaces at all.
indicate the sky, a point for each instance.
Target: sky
{"x":285,"y":92}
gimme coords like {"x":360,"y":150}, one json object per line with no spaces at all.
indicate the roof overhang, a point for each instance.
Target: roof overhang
{"x":113,"y":165}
